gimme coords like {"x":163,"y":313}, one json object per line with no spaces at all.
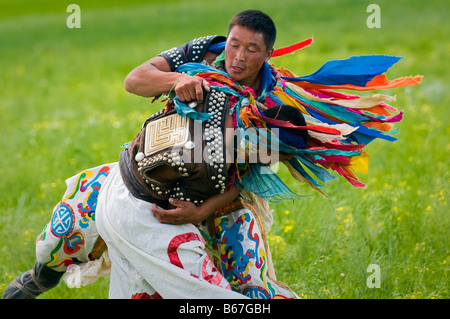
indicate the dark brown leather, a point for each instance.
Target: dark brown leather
{"x":199,"y":161}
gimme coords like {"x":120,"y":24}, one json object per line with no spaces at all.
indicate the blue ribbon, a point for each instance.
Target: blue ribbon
{"x":356,"y":70}
{"x":184,"y":110}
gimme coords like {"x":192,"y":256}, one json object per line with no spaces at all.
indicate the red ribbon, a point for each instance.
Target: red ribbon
{"x":292,"y":48}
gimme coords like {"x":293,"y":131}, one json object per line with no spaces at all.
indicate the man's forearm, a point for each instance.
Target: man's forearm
{"x":148,"y":81}
{"x":212,"y":204}
{"x":186,"y":212}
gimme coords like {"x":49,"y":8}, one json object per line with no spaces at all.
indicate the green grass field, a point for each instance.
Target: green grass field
{"x":63,"y":109}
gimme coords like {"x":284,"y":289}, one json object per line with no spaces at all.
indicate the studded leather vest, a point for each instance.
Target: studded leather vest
{"x":194,"y":152}
{"x":193,"y":51}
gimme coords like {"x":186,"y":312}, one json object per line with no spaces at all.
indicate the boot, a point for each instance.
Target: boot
{"x":32,"y":283}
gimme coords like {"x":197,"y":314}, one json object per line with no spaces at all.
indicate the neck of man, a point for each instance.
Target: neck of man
{"x":254,"y":82}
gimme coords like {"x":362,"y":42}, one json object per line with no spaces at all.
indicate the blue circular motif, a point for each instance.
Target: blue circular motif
{"x":62,"y":220}
{"x":255,"y":292}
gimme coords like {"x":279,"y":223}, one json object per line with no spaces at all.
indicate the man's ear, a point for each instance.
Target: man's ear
{"x":269,"y":55}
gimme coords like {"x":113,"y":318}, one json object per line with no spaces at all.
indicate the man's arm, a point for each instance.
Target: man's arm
{"x":155,"y":77}
{"x":151,"y":78}
{"x":186,"y":212}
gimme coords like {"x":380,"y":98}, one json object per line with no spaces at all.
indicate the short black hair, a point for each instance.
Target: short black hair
{"x":289,"y":114}
{"x":257,"y":21}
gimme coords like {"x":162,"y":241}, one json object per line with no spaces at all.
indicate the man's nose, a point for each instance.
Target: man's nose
{"x":240,"y":55}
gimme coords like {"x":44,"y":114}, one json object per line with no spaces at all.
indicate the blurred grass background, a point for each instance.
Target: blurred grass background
{"x":63,"y":109}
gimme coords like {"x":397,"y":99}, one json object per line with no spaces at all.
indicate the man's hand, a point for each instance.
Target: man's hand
{"x":190,"y":88}
{"x":188,"y":213}
{"x":183,"y":213}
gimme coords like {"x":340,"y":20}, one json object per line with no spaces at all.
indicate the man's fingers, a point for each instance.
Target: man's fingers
{"x":199,"y":93}
{"x":186,"y":95}
{"x":190,"y":88}
{"x":167,"y":216}
{"x":157,"y":212}
{"x":175,"y":202}
{"x":180,"y":95}
{"x":161,"y":215}
{"x":206,"y":85}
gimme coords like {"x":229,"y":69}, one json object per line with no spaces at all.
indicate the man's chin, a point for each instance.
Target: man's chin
{"x":237,"y":77}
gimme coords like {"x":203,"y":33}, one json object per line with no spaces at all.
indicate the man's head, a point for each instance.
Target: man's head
{"x":251,"y":36}
{"x":264,"y":148}
{"x":295,"y":137}
{"x":292,"y":115}
{"x":258,"y":22}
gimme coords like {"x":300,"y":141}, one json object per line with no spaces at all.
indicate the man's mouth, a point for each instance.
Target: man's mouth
{"x":237,"y":69}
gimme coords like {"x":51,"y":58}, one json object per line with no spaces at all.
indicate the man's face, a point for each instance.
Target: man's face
{"x":245,"y":53}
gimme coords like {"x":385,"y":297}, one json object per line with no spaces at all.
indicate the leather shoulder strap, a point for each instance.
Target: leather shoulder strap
{"x":193,"y":51}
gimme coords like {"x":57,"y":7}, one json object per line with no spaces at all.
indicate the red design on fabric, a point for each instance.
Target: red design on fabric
{"x":176,"y":242}
{"x":211,"y":274}
{"x":73,"y":243}
{"x":144,"y":295}
{"x":209,"y":271}
{"x":255,"y":237}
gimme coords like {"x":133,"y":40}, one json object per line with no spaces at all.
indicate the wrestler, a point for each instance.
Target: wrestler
{"x":249,"y":50}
